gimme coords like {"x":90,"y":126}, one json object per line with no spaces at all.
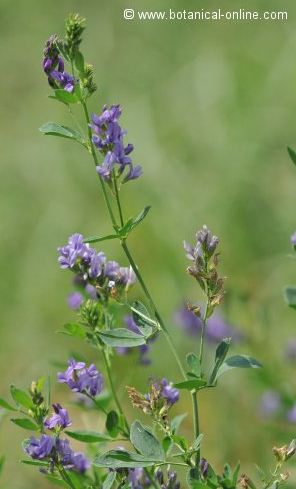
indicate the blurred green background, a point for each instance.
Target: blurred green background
{"x":210,"y":108}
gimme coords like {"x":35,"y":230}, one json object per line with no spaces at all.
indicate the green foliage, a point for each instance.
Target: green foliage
{"x":113,"y":424}
{"x":88,"y":436}
{"x":292,"y":154}
{"x":290,"y":296}
{"x":110,"y":479}
{"x":133,"y":222}
{"x":53,"y":129}
{"x":118,"y":459}
{"x":22,"y":398}
{"x":145,"y":442}
{"x":142,"y":318}
{"x":72,"y":329}
{"x":238,"y":361}
{"x":25,"y":423}
{"x":121,"y":337}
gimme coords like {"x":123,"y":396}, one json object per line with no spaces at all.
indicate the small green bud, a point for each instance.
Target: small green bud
{"x":74,"y":28}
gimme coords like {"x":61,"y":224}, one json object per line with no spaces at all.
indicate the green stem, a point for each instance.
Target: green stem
{"x":94,"y":155}
{"x":204,"y":324}
{"x":196,"y":424}
{"x":153,"y":307}
{"x":65,"y":477}
{"x":137,"y":272}
{"x":113,"y":390}
{"x":118,"y":201}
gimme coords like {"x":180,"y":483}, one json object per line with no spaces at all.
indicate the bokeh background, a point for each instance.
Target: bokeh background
{"x":210,"y":108}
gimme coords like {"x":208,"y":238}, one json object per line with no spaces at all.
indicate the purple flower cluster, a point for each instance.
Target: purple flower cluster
{"x":82,"y":379}
{"x":138,"y":479}
{"x":171,"y":482}
{"x":206,"y":244}
{"x":56,"y":450}
{"x":53,"y":66}
{"x":108,"y":138}
{"x":217,"y":328}
{"x":166,"y":391}
{"x":143,"y":349}
{"x":92,"y":266}
{"x":59,"y":420}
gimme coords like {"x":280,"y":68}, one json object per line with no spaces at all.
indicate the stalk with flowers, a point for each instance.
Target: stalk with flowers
{"x":127,"y":454}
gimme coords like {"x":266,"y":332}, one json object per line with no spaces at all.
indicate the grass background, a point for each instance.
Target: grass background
{"x":210,"y":108}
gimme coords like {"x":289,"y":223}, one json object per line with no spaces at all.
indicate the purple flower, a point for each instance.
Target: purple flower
{"x":58,"y":420}
{"x":138,"y":479}
{"x":204,"y":467}
{"x":217,"y":328}
{"x":171,"y":482}
{"x":293,"y":239}
{"x":270,"y":403}
{"x":64,"y":80}
{"x":108,"y":138}
{"x":39,"y":448}
{"x":53,"y":66}
{"x":170,"y":393}
{"x":81,"y":378}
{"x":75,"y":300}
{"x":91,"y":269}
{"x":291,"y":415}
{"x":71,"y":460}
{"x":206,"y":243}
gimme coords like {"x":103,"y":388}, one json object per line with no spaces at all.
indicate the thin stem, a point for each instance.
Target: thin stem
{"x":196,"y":424}
{"x":113,"y":390}
{"x":65,"y":477}
{"x":204,"y":324}
{"x":94,"y":155}
{"x":138,"y":274}
{"x":153,"y":307}
{"x":118,"y":201}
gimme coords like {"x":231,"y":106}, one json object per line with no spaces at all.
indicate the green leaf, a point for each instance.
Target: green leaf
{"x":145,"y":442}
{"x":79,"y":61}
{"x":292,"y":154}
{"x":238,"y":361}
{"x":121,"y":337}
{"x":191,"y":384}
{"x":193,"y":363}
{"x":118,"y":459}
{"x":193,"y":480}
{"x":96,"y":239}
{"x":221,"y":354}
{"x":5,"y":405}
{"x":88,"y":436}
{"x":290,"y":296}
{"x":37,"y":463}
{"x":66,"y":97}
{"x":142,"y":319}
{"x":2,"y":461}
{"x":75,"y":330}
{"x":56,"y":480}
{"x":133,"y":222}
{"x":25,"y":423}
{"x":197,"y":442}
{"x":22,"y":398}
{"x":53,"y":129}
{"x":176,"y":422}
{"x":108,"y":482}
{"x":112,"y":424}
